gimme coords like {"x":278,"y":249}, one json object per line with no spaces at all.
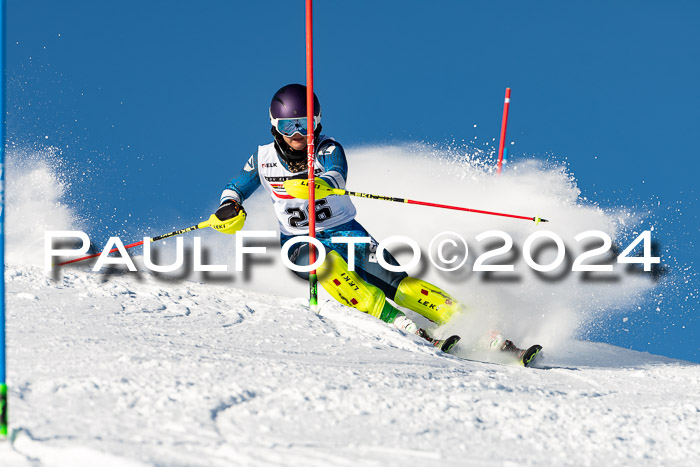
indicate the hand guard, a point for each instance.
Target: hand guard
{"x":229,"y":218}
{"x":299,"y":188}
{"x":322,"y":184}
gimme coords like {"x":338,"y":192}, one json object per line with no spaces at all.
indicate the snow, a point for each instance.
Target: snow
{"x":131,"y":369}
{"x":124,"y":369}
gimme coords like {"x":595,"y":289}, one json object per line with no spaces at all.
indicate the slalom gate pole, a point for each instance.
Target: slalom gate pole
{"x":201,"y":225}
{"x":310,"y":152}
{"x":504,"y":125}
{"x":3,"y":372}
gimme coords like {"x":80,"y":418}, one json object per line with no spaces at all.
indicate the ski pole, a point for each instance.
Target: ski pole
{"x":207,"y":223}
{"x":299,"y":189}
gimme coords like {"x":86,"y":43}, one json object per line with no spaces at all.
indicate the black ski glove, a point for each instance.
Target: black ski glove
{"x":229,"y":209}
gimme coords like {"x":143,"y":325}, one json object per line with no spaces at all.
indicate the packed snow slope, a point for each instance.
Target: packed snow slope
{"x":123,"y":369}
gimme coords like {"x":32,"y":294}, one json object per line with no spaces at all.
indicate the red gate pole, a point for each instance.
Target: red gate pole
{"x":504,"y":125}
{"x":313,"y":280}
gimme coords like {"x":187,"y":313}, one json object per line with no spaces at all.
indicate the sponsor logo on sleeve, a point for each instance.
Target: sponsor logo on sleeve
{"x":249,"y":167}
{"x":327,"y":150}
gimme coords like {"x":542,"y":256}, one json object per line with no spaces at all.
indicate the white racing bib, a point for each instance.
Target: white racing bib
{"x":293,"y":213}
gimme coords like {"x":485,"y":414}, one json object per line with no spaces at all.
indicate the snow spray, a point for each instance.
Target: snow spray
{"x":526,"y":305}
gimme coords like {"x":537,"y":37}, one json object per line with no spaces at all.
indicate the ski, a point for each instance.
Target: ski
{"x":446,"y":344}
{"x":529,"y":354}
{"x":524,"y":356}
{"x":443,"y":344}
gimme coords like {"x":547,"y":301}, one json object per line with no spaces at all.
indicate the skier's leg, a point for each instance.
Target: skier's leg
{"x":420,"y":296}
{"x":350,"y":289}
{"x":427,"y":300}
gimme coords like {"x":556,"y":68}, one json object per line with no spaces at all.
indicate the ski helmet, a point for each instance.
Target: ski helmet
{"x":288,"y":116}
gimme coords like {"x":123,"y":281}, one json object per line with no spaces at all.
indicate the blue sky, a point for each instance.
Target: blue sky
{"x":156,"y":100}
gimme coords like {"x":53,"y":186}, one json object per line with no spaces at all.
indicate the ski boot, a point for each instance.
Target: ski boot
{"x":524,"y":356}
{"x":406,"y":324}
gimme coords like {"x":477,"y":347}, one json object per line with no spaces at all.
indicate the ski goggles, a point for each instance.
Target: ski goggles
{"x":290,"y":126}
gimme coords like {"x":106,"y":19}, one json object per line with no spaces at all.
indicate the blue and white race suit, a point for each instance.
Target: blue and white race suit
{"x":335,"y":215}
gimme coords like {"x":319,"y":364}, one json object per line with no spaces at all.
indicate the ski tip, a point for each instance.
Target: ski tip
{"x":539,"y":219}
{"x":530,"y":354}
{"x":448,"y":343}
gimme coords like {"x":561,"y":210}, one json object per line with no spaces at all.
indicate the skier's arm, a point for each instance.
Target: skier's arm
{"x":231,"y":215}
{"x":332,"y":156}
{"x":244,"y":184}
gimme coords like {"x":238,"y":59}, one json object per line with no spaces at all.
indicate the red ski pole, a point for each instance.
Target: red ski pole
{"x":298,"y":189}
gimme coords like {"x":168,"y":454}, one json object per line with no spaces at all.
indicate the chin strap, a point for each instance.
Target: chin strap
{"x":291,"y":157}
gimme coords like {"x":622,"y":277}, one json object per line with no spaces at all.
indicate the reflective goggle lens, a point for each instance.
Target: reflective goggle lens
{"x":289,"y":126}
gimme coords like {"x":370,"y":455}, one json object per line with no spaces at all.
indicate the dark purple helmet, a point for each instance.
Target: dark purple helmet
{"x":288,"y":104}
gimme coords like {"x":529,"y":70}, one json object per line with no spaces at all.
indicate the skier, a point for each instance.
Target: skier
{"x":370,"y":287}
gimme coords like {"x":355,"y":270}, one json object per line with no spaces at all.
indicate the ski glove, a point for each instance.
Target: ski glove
{"x":229,"y":218}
